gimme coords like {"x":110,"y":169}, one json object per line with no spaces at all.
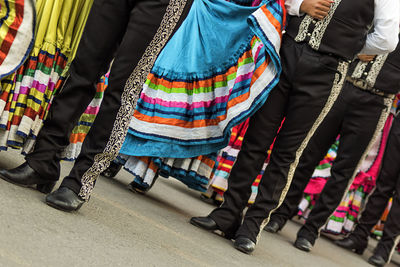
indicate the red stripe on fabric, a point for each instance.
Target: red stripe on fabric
{"x":13,"y":30}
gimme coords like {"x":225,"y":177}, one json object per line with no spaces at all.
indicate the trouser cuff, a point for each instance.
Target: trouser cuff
{"x":307,"y":234}
{"x":71,"y":184}
{"x":281,"y":220}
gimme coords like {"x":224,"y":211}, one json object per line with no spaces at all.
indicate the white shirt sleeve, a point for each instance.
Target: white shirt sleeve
{"x":293,"y":7}
{"x":385,"y":36}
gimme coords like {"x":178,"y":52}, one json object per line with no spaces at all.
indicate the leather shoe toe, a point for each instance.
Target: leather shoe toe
{"x":25,"y":176}
{"x":350,"y":244}
{"x":303,"y":244}
{"x":377,"y":260}
{"x":244,"y":245}
{"x":272,"y":227}
{"x":64,"y":199}
{"x":205,"y":223}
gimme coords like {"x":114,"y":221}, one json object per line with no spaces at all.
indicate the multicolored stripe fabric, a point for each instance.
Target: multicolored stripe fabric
{"x":378,"y":228}
{"x":193,"y":172}
{"x":345,"y":216}
{"x":27,"y":94}
{"x":17,"y":29}
{"x":225,"y":161}
{"x":82,"y":128}
{"x":191,"y":113}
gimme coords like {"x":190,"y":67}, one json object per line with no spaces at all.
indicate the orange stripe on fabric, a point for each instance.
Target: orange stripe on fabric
{"x":205,"y":122}
{"x":196,"y":84}
{"x":272,"y":20}
{"x":259,"y":71}
{"x":191,"y":124}
{"x":77,"y":138}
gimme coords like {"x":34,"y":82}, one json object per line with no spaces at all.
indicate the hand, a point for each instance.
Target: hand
{"x":366,"y":58}
{"x":318,"y":9}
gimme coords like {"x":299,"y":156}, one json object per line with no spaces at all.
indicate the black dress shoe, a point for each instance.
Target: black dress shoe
{"x":244,"y":245}
{"x":112,"y":170}
{"x":377,"y":260}
{"x":303,"y":244}
{"x":205,"y":223}
{"x":272,"y":227}
{"x":64,"y":199}
{"x":350,"y":244}
{"x":25,"y":176}
{"x":209,"y":224}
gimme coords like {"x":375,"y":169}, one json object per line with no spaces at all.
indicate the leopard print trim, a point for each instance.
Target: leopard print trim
{"x":130,"y":95}
{"x":374,"y":71}
{"x":303,"y":28}
{"x":338,"y":82}
{"x":319,"y":30}
{"x":359,"y":70}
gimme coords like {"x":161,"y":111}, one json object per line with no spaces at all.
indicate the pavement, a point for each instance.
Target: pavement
{"x":120,"y":228}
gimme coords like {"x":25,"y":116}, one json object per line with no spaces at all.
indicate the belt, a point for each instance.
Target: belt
{"x":363,"y":85}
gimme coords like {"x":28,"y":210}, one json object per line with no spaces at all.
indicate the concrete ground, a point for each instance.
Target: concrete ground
{"x":120,"y":228}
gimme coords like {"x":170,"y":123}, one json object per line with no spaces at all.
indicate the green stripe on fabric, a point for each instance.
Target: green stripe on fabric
{"x":198,"y":90}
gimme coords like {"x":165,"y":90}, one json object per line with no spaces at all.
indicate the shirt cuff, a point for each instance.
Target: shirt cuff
{"x":294,"y":8}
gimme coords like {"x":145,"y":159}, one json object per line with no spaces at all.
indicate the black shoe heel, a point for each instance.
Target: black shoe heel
{"x":112,"y":170}
{"x":359,"y":251}
{"x":46,"y":188}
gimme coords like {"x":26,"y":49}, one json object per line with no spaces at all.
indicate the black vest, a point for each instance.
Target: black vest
{"x":383,"y":73}
{"x":342,"y":32}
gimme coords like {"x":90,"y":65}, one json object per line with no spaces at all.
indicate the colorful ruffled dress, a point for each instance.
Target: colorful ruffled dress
{"x":214,"y":73}
{"x":26,"y":94}
{"x":17,"y":31}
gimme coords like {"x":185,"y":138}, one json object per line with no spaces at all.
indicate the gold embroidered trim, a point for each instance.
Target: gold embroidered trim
{"x":130,"y":95}
{"x":335,"y":91}
{"x":381,"y":123}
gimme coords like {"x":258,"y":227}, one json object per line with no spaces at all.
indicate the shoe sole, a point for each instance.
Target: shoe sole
{"x":13,"y":182}
{"x":375,"y":264}
{"x":243,"y":250}
{"x":33,"y":186}
{"x":60,"y":208}
{"x":355,"y":250}
{"x":218,"y":232}
{"x":192,"y":222}
{"x":272,"y":231}
{"x":136,"y":190}
{"x":301,"y":248}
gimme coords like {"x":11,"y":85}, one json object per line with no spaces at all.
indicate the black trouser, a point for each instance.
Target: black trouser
{"x":354,"y":116}
{"x":387,"y":186}
{"x":119,"y":29}
{"x":303,"y":90}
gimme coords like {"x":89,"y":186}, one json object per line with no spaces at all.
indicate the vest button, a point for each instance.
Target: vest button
{"x":308,"y":34}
